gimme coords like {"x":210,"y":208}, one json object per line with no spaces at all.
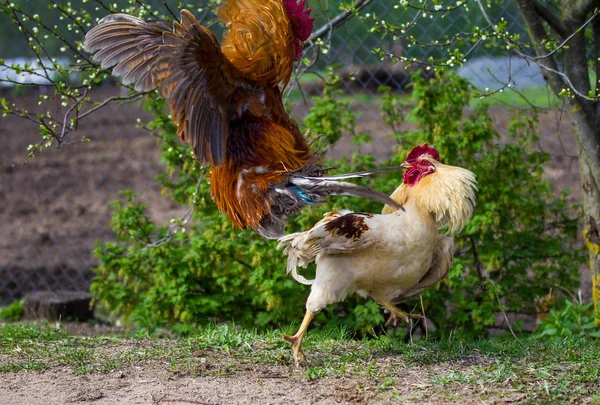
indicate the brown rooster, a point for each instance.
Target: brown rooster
{"x":390,"y":257}
{"x":226,"y":100}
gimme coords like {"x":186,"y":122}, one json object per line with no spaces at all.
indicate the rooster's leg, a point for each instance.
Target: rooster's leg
{"x":296,"y":340}
{"x":396,"y":314}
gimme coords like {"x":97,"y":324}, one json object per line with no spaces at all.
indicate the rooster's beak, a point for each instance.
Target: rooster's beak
{"x":406,"y":165}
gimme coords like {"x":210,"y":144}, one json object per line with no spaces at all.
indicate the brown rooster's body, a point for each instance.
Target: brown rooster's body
{"x":226,"y":100}
{"x":389,"y":257}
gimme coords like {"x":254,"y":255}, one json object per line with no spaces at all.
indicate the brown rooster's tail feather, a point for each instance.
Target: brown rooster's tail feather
{"x":317,"y":188}
{"x":364,"y":173}
{"x":296,"y":192}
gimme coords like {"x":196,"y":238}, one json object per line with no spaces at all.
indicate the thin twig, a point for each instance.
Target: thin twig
{"x":166,"y":399}
{"x":545,"y":56}
{"x":64,"y":136}
{"x":338,"y":20}
{"x":111,"y":99}
{"x":424,"y":317}
{"x":504,"y":313}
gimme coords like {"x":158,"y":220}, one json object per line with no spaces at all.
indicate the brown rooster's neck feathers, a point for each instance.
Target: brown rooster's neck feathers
{"x":260,"y":41}
{"x":448,"y":194}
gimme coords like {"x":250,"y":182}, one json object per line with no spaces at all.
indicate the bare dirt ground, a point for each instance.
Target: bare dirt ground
{"x":116,"y":370}
{"x":254,"y":384}
{"x":55,"y":207}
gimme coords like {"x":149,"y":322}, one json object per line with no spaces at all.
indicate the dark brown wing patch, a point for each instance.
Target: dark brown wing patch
{"x":184,"y":60}
{"x":352,"y":226}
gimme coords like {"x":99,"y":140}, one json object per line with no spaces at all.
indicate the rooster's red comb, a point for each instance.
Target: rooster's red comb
{"x":419,"y":151}
{"x":303,"y":22}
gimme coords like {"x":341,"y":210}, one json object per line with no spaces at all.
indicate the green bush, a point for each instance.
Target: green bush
{"x":519,"y":244}
{"x":12,"y":312}
{"x":572,"y":318}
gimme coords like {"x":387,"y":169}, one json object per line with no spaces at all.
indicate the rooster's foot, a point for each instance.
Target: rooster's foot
{"x":398,"y":315}
{"x":296,"y":342}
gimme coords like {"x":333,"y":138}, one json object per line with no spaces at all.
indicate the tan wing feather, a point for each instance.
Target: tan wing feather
{"x":341,"y":232}
{"x":443,"y":255}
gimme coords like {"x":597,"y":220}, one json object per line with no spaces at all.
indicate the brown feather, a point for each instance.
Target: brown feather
{"x":260,"y":40}
{"x":239,"y":187}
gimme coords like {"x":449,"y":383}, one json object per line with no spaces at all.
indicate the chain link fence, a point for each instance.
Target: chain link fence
{"x":351,"y":45}
{"x":56,"y":207}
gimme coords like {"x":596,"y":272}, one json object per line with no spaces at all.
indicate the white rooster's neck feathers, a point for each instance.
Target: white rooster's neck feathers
{"x":448,"y":194}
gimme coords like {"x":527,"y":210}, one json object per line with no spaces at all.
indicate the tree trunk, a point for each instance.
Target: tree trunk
{"x":585,"y":114}
{"x":588,"y":152}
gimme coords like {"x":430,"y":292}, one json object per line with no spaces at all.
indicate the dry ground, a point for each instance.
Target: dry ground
{"x":252,"y":384}
{"x":224,"y":365}
{"x":54,"y":208}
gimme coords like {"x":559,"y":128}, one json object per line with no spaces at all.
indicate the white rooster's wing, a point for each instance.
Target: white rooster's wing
{"x":443,"y":256}
{"x":338,"y":233}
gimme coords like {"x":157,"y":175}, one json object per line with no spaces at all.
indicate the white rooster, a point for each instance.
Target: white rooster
{"x":389,"y":257}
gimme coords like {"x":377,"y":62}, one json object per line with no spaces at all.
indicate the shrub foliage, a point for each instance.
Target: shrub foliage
{"x":519,"y":244}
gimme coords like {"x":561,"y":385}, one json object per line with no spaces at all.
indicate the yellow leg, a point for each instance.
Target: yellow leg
{"x":396,"y":314}
{"x":296,"y":340}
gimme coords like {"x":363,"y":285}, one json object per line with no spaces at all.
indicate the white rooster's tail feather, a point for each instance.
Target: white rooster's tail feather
{"x":296,"y":258}
{"x":301,"y":249}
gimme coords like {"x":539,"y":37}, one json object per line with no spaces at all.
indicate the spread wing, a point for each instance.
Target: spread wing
{"x":342,"y":232}
{"x":184,"y":60}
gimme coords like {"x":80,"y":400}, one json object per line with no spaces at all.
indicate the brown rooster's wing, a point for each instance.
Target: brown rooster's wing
{"x":184,"y":60}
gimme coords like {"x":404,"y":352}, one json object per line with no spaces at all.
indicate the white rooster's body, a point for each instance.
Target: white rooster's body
{"x":389,"y":257}
{"x":381,"y":256}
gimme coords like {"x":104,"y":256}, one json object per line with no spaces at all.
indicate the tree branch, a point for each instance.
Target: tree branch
{"x":556,"y":79}
{"x":338,"y":20}
{"x":576,"y":65}
{"x":551,"y":19}
{"x":576,"y":29}
{"x":68,"y":129}
{"x":64,"y":136}
{"x":579,"y":9}
{"x":538,"y":35}
{"x":596,"y":33}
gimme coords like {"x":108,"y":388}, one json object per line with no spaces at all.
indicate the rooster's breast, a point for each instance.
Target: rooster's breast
{"x":394,"y":264}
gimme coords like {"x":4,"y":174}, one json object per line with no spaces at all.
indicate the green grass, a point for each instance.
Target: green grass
{"x":540,"y":370}
{"x":540,"y":97}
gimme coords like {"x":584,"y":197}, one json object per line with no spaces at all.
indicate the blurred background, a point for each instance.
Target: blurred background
{"x":55,"y":207}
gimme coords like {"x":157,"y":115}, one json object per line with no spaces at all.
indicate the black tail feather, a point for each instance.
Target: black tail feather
{"x":307,"y":186}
